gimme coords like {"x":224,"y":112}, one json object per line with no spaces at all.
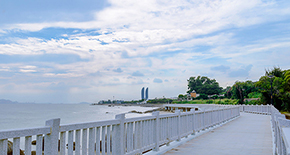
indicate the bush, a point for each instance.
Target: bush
{"x":229,"y":101}
{"x":209,"y":101}
{"x":253,"y":102}
{"x":254,"y":95}
{"x":215,"y":97}
{"x":202,"y":96}
{"x":221,"y":97}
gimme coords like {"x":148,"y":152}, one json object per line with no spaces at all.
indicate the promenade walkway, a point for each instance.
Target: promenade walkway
{"x":250,"y":134}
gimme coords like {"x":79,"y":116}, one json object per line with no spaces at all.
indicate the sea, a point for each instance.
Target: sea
{"x":18,"y":116}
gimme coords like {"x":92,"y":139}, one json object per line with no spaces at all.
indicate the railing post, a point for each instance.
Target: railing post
{"x":252,"y":109}
{"x":243,"y":106}
{"x":223,"y":114}
{"x":219,"y":115}
{"x":178,"y":125}
{"x":212,"y":117}
{"x":203,"y":120}
{"x":51,"y":140}
{"x":193,"y":120}
{"x":120,"y":147}
{"x":156,"y":130}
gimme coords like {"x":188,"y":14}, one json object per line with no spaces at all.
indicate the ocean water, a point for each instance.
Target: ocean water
{"x":15,"y":116}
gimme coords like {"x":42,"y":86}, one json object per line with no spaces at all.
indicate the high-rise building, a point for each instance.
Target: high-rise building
{"x":146,"y":94}
{"x":142,"y":93}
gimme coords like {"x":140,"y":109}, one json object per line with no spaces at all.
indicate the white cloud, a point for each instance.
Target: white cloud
{"x":148,"y":39}
{"x":27,"y":70}
{"x":150,"y":27}
{"x":29,"y":67}
{"x":5,"y":69}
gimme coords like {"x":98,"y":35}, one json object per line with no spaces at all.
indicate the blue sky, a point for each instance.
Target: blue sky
{"x":74,"y":51}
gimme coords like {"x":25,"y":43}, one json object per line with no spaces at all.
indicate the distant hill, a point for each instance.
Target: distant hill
{"x":3,"y":101}
{"x":84,"y":103}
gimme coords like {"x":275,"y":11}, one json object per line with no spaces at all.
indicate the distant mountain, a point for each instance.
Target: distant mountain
{"x":84,"y":103}
{"x":3,"y":101}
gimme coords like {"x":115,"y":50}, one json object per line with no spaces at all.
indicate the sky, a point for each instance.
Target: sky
{"x":72,"y":51}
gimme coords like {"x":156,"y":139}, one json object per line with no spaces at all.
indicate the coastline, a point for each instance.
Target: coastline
{"x":128,"y":104}
{"x":157,"y":107}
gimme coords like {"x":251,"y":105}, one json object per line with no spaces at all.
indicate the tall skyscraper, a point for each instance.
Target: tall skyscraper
{"x":142,"y":93}
{"x":146,"y":94}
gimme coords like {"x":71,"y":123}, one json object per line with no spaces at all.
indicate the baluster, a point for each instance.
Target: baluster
{"x":85,"y":142}
{"x":130,"y":140}
{"x":178,"y":124}
{"x":70,"y":142}
{"x":78,"y":142}
{"x":3,"y":146}
{"x":92,"y":137}
{"x":16,"y":145}
{"x":108,"y":139}
{"x":39,"y":139}
{"x":103,"y":140}
{"x":135,"y":132}
{"x":62,"y":143}
{"x":156,"y":130}
{"x":28,"y":144}
{"x":98,"y":135}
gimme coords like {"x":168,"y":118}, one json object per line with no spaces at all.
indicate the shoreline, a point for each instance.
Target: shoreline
{"x":160,"y":105}
{"x":157,"y":107}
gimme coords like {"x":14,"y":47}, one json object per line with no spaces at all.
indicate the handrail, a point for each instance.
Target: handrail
{"x":24,"y":132}
{"x":121,"y":136}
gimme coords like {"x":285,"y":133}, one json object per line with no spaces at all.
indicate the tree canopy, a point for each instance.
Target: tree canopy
{"x":203,"y":85}
{"x":241,"y":90}
{"x":280,"y":80}
{"x":280,"y":88}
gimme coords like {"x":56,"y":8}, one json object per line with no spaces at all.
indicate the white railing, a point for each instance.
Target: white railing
{"x":120,"y":136}
{"x":280,"y":126}
{"x":258,"y":109}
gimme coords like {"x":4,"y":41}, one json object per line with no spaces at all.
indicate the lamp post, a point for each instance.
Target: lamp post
{"x":271,"y":76}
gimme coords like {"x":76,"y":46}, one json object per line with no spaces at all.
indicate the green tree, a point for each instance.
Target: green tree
{"x":228,"y":92}
{"x":203,"y":85}
{"x":241,"y":90}
{"x":180,"y":96}
{"x":238,"y":91}
{"x":202,"y":96}
{"x":280,"y":88}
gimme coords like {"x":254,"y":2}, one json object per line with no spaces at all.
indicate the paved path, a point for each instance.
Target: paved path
{"x":250,"y":134}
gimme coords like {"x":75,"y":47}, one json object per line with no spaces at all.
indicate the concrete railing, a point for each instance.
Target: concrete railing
{"x":258,"y":109}
{"x":280,"y":126}
{"x":120,"y":136}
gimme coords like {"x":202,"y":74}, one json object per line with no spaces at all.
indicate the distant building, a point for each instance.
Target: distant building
{"x":142,"y":94}
{"x":146,"y":94}
{"x":193,"y":94}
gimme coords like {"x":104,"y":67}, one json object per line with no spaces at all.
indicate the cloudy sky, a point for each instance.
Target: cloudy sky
{"x":71,"y":51}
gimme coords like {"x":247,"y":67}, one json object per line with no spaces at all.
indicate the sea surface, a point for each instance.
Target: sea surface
{"x":15,"y":116}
